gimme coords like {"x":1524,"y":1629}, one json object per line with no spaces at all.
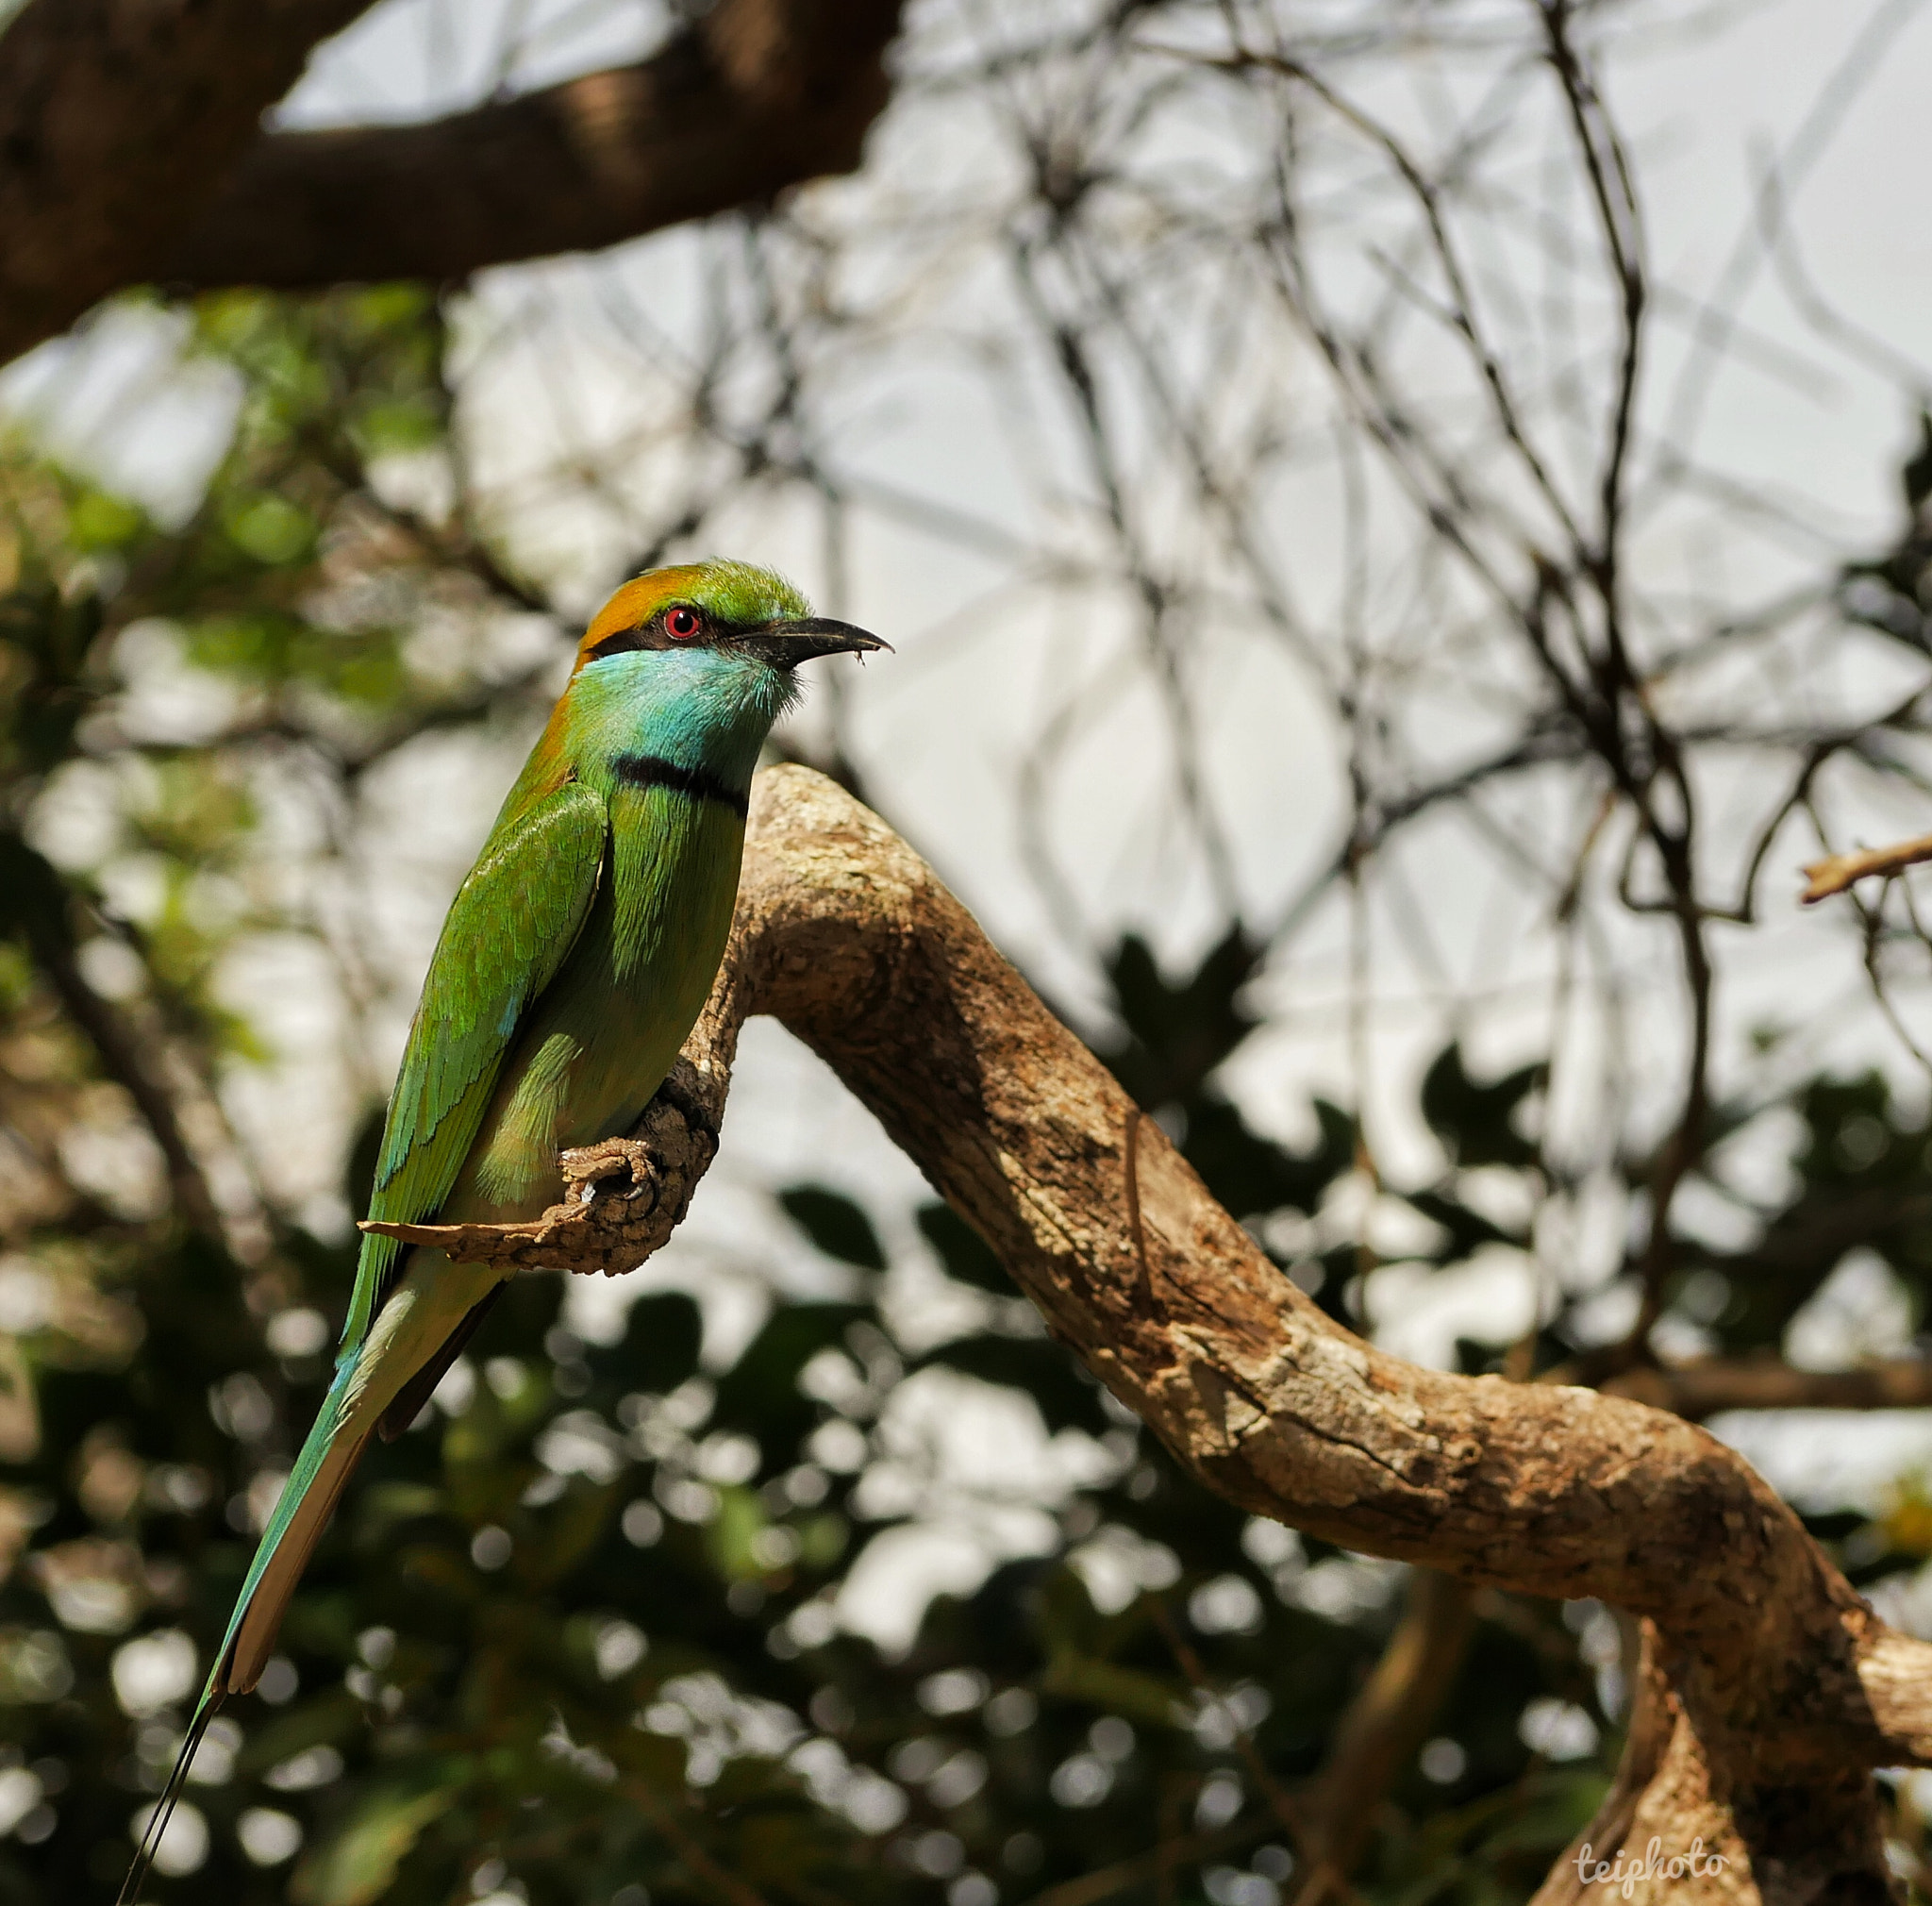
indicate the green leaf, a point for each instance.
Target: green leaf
{"x":333,"y":1716}
{"x":399,"y":425}
{"x":1114,"y":1690}
{"x":1178,"y":1031}
{"x":1249,"y":1174}
{"x":383,"y":1505}
{"x":272,"y":529}
{"x":732,"y":1532}
{"x":357,"y":1864}
{"x":570,"y":1531}
{"x":99,"y":521}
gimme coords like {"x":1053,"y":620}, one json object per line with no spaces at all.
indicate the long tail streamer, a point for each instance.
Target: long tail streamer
{"x":163,"y":1812}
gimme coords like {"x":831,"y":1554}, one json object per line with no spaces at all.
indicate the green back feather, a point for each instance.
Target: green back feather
{"x":510,"y":927}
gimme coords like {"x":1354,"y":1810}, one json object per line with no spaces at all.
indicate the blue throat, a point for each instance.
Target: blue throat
{"x":693,"y":720}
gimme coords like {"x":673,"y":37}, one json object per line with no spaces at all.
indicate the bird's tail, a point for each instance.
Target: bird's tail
{"x":301,"y":1513}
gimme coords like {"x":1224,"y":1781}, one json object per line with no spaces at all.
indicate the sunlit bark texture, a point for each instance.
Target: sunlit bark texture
{"x":1769,"y":1690}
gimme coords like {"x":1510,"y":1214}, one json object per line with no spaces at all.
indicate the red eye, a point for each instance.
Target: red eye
{"x":681,"y":624}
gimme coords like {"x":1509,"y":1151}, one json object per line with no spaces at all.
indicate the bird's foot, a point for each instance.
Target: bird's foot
{"x":587,"y":1166}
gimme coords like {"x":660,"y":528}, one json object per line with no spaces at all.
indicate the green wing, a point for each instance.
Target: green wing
{"x":513,"y":921}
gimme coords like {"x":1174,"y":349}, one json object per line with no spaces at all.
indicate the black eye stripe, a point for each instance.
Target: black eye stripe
{"x":653,"y":634}
{"x":626,"y":639}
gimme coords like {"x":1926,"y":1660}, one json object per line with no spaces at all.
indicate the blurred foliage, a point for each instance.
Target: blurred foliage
{"x":574,"y":1637}
{"x":1892,"y":593}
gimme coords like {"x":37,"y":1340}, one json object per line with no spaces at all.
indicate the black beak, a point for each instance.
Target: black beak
{"x":785,"y":644}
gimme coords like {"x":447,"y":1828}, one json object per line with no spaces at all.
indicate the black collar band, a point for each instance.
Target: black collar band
{"x":697,"y":784}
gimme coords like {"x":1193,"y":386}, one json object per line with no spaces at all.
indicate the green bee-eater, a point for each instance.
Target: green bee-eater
{"x":574,"y":962}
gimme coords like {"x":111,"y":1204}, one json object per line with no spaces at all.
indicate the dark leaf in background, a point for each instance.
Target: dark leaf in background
{"x":963,"y":1251}
{"x":762,"y":1389}
{"x":1067,"y":1398}
{"x":835,"y":1223}
{"x":1477,"y":1120}
{"x":1177,"y":1032}
{"x":659,"y":1347}
{"x":1916,"y":478}
{"x":1252,"y":1175}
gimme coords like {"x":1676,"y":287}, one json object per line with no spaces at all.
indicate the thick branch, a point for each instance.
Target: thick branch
{"x":758,"y":95}
{"x":117,"y":119}
{"x":1781,"y":1679}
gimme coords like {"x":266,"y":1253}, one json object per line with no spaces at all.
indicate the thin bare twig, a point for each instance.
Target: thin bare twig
{"x":1157,"y":1863}
{"x":1837,"y":872}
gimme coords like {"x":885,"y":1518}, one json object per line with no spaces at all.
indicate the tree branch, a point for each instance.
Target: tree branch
{"x":1388,"y":1717}
{"x":1782,"y":1689}
{"x":758,"y":95}
{"x":36,"y":902}
{"x":1709,"y":1386}
{"x":1089,"y":1889}
{"x":117,"y":119}
{"x":1839,"y":870}
{"x":131,"y":149}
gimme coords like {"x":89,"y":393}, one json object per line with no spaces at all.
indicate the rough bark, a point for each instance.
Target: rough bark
{"x":758,"y":95}
{"x":1770,"y":1689}
{"x":117,"y":119}
{"x":131,"y":149}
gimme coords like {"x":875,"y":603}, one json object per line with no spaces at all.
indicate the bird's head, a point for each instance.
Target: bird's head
{"x":732,"y":615}
{"x":691,"y":665}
